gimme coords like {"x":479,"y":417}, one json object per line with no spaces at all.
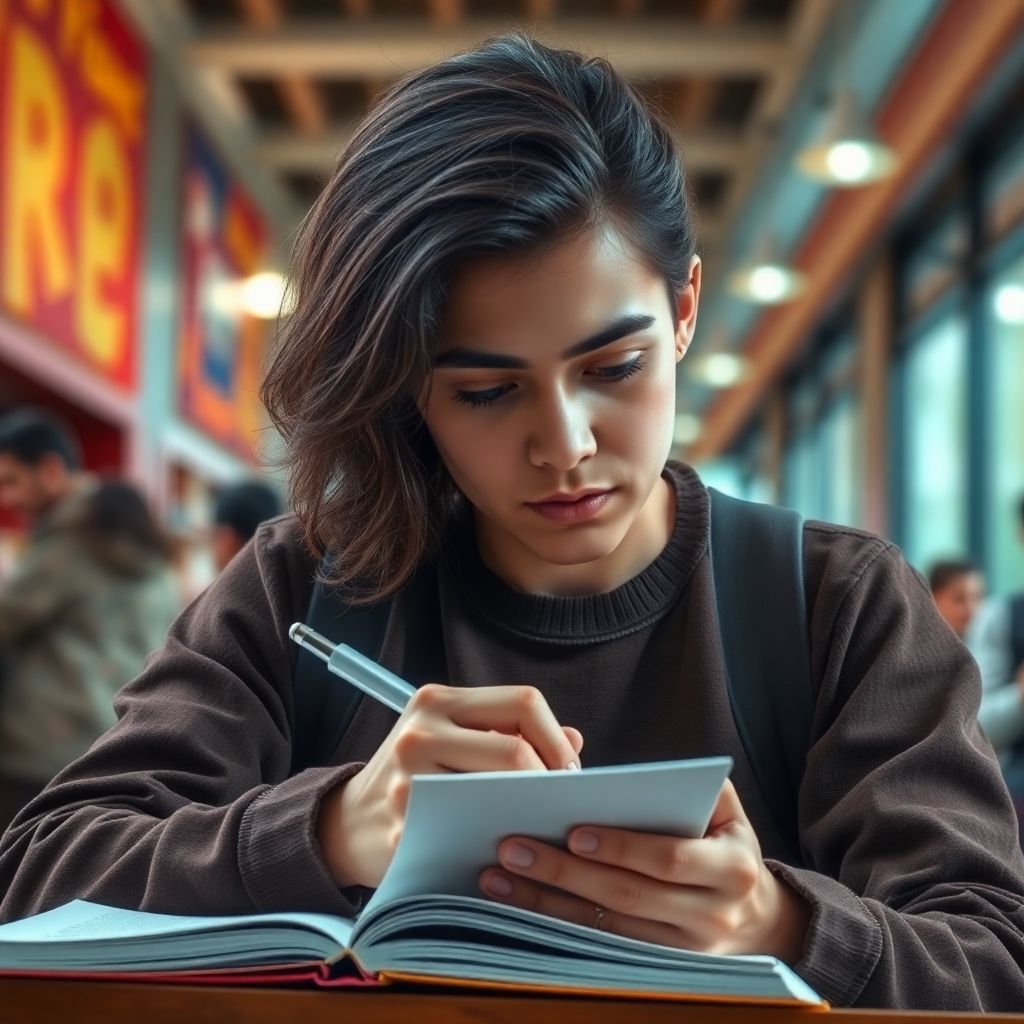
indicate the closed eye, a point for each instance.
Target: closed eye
{"x":612,"y":374}
{"x":622,"y":370}
{"x":486,"y":397}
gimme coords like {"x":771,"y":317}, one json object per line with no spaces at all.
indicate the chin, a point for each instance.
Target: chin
{"x":578,"y":550}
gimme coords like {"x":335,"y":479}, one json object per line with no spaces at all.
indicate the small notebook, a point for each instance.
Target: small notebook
{"x":427,"y":922}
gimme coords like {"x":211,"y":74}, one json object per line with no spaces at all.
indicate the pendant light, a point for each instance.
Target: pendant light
{"x":847,"y":154}
{"x":767,"y":279}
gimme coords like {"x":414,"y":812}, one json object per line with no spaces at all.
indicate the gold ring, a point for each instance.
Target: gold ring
{"x":599,"y":918}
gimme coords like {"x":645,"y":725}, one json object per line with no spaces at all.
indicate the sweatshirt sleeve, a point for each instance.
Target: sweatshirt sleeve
{"x":185,"y":805}
{"x":913,"y":867}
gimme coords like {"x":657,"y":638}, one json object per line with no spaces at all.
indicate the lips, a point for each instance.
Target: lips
{"x":572,"y":508}
{"x":570,"y":498}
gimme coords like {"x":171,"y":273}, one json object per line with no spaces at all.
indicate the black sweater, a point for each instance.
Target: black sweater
{"x":911,"y":860}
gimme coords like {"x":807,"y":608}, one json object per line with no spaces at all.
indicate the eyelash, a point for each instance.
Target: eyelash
{"x":611,"y":374}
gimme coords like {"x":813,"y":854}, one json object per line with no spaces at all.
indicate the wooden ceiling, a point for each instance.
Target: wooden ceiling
{"x":297,"y":74}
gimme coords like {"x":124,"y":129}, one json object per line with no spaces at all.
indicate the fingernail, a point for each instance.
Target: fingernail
{"x":517,"y":856}
{"x":583,"y":842}
{"x":572,"y":766}
{"x":496,"y":885}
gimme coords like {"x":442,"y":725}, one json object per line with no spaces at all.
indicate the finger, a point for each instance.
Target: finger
{"x":622,"y":891}
{"x":516,"y":709}
{"x":575,"y":738}
{"x":727,"y":811}
{"x":529,"y":895}
{"x":725,"y":864}
{"x":443,"y":746}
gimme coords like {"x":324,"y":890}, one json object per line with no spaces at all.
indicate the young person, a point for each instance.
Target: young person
{"x":477,"y":390}
{"x":958,"y":589}
{"x":237,"y":513}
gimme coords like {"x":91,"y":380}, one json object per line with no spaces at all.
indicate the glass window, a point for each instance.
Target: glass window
{"x":935,"y":464}
{"x":937,"y":262}
{"x":1004,"y":206}
{"x":724,"y":475}
{"x":841,"y":461}
{"x":1005,"y":408}
{"x":802,"y":475}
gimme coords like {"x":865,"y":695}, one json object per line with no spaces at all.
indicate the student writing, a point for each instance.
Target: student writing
{"x":477,"y":390}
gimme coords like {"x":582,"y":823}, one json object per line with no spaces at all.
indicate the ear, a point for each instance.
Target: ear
{"x":686,"y":310}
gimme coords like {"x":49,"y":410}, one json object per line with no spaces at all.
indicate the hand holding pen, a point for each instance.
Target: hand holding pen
{"x":440,"y":729}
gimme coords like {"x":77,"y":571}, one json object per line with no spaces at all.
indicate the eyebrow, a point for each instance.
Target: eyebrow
{"x":473,"y":359}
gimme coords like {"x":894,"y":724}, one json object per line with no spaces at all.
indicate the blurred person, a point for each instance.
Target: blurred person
{"x":238,"y":511}
{"x":996,"y":639}
{"x":958,"y":588}
{"x":39,"y":465}
{"x":91,"y":596}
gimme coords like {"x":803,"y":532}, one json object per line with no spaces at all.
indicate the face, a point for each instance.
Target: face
{"x":30,"y":490}
{"x":959,"y":600}
{"x":552,"y":404}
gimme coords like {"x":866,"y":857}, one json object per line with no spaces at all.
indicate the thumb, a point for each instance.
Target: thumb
{"x":728,"y":810}
{"x":575,"y":738}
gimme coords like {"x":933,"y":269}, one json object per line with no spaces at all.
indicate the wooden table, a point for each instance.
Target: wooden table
{"x":66,"y":1002}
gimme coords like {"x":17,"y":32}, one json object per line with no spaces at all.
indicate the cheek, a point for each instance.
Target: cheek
{"x":467,"y":448}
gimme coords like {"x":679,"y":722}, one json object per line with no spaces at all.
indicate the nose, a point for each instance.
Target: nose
{"x":560,"y":432}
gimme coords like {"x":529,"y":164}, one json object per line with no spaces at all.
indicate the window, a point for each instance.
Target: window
{"x":1005,"y":409}
{"x":841,"y":468}
{"x":935,"y":443}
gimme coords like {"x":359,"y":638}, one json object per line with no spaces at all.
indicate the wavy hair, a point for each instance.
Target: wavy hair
{"x":504,"y":149}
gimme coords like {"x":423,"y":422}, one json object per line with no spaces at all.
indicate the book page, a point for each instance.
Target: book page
{"x":455,"y":822}
{"x":85,"y":935}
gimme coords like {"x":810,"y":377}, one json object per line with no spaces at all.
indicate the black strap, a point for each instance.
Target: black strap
{"x":757,"y":564}
{"x":1017,"y":631}
{"x":324,"y":704}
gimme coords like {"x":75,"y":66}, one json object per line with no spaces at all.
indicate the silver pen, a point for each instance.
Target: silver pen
{"x":360,"y":671}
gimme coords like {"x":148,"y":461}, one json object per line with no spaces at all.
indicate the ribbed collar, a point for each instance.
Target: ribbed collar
{"x":595,"y":618}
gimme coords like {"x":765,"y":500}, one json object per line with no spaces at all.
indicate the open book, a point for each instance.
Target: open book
{"x":427,"y":921}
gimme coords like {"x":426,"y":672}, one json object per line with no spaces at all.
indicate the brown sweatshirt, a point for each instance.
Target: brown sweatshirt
{"x":910,"y":855}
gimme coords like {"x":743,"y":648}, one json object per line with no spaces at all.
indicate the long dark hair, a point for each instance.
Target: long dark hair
{"x":504,"y":149}
{"x":117,"y":510}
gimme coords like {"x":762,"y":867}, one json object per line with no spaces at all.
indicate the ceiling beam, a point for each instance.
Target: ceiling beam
{"x":371,"y":48}
{"x":806,"y":27}
{"x":299,"y":95}
{"x":291,"y":151}
{"x":694,"y":102}
{"x":446,"y":13}
{"x":541,"y":10}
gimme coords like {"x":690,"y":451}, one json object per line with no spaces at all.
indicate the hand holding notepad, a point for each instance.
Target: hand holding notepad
{"x":442,"y":729}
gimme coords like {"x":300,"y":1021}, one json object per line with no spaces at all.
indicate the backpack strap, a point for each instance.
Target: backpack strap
{"x":757,"y":566}
{"x":1017,"y":631}
{"x":324,"y":704}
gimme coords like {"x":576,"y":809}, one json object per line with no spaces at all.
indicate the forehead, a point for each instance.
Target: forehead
{"x":556,"y":296}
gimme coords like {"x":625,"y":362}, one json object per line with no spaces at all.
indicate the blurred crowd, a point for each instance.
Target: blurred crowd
{"x":89,"y":597}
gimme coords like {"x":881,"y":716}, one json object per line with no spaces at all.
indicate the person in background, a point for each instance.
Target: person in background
{"x":958,"y":588}
{"x":91,"y":597}
{"x":996,"y":639}
{"x":238,"y":511}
